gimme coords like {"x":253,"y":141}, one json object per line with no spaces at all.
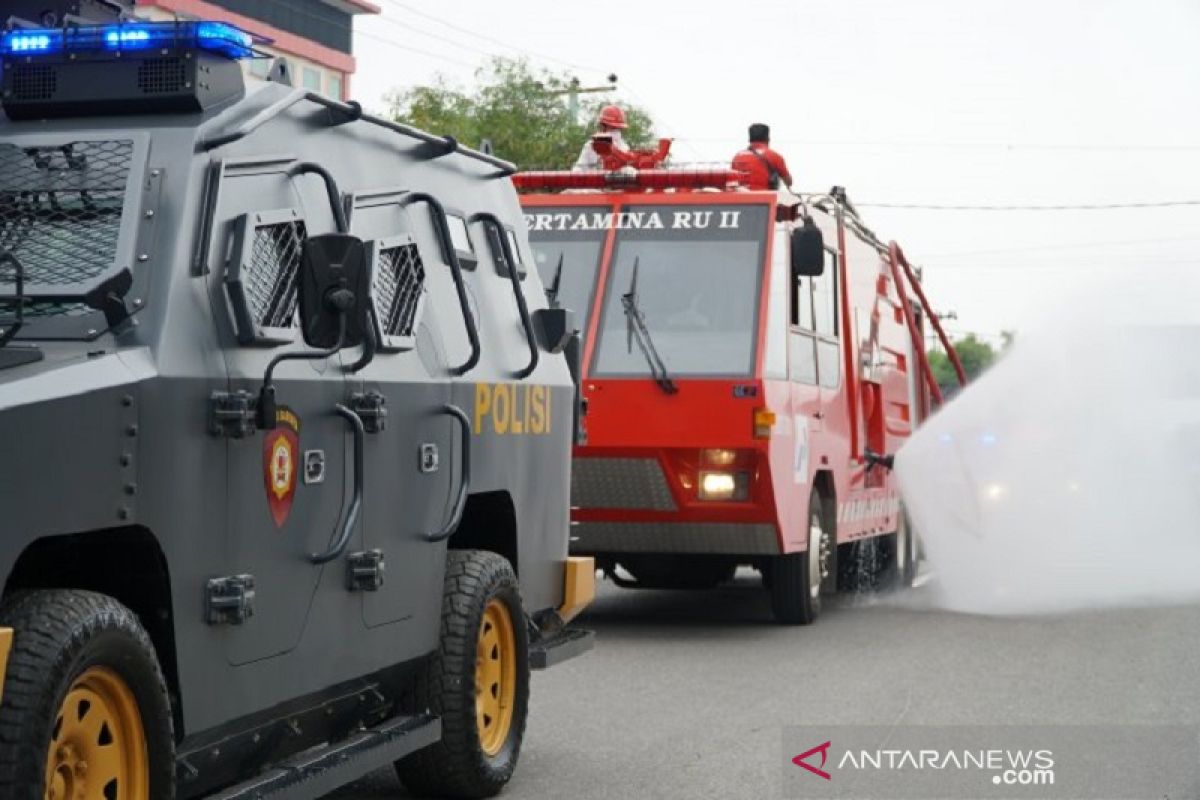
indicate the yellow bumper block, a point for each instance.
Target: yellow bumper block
{"x":6,"y":639}
{"x":579,"y":586}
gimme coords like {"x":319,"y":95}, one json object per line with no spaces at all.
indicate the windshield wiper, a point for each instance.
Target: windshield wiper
{"x":636,"y":328}
{"x":552,"y":291}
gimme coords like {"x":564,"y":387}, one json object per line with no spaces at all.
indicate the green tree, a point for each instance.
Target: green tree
{"x":517,"y":108}
{"x":976,"y":356}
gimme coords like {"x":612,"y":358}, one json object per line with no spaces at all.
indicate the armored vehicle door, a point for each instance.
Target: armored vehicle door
{"x":411,"y":460}
{"x":286,"y":484}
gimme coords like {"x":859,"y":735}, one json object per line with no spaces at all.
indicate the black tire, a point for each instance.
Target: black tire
{"x":902,"y":553}
{"x":679,"y":571}
{"x":458,"y":766}
{"x":795,"y":580}
{"x":58,"y":636}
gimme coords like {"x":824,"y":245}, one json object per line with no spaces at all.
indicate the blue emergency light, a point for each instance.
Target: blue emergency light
{"x":122,"y":68}
{"x":216,"y":37}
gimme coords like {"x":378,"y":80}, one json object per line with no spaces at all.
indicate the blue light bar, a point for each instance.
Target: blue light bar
{"x":31,"y":42}
{"x":217,"y":37}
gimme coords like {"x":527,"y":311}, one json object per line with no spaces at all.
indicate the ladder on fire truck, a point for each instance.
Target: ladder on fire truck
{"x":630,"y":170}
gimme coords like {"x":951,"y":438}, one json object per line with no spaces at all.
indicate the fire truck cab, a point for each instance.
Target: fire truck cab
{"x":748,"y":361}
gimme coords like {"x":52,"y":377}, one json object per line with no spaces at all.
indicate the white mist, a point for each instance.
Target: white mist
{"x":1068,"y":476}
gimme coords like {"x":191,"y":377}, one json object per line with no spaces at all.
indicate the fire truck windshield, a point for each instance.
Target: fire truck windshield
{"x":699,"y":282}
{"x":578,"y":251}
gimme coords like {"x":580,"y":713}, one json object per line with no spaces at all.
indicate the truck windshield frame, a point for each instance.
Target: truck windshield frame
{"x":579,"y":250}
{"x":701,"y":270}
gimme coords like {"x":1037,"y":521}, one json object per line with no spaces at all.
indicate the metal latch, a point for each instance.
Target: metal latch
{"x":364,"y":571}
{"x":372,"y":408}
{"x":231,"y":414}
{"x":229,"y":600}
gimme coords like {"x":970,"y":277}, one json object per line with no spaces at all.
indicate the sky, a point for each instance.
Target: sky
{"x":926,"y":102}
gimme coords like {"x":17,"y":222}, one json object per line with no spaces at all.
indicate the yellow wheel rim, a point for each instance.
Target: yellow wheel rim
{"x":98,"y":745}
{"x":495,"y":676}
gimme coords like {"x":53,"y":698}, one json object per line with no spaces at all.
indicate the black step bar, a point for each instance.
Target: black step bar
{"x":315,"y":773}
{"x":559,"y":647}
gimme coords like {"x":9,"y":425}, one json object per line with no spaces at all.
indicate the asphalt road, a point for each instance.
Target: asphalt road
{"x":686,"y":694}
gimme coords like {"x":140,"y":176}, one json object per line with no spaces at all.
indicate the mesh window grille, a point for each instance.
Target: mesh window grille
{"x":270,"y":278}
{"x":399,"y":282}
{"x":61,"y":207}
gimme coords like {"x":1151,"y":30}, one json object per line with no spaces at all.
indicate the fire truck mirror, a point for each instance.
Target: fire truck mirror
{"x":334,"y":289}
{"x":808,"y":250}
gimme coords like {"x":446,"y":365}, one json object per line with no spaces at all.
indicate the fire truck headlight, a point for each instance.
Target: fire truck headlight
{"x":724,"y":485}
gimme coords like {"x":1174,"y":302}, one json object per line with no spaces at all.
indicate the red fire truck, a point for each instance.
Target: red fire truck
{"x":749,"y":361}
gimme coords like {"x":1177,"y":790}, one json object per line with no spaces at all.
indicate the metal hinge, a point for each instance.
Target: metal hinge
{"x":364,"y":571}
{"x":372,"y":407}
{"x":229,"y":600}
{"x":231,"y":414}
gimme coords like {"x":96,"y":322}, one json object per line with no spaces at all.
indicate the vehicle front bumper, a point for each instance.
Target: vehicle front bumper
{"x":718,"y":538}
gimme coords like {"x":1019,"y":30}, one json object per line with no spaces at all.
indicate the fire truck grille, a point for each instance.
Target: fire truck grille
{"x":271,"y":280}
{"x":61,"y":207}
{"x":636,"y":483}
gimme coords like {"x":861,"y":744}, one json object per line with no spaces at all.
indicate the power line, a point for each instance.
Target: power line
{"x":492,"y":39}
{"x":375,"y":37}
{"x":1061,"y":246}
{"x":1063,"y":207}
{"x":1057,"y":147}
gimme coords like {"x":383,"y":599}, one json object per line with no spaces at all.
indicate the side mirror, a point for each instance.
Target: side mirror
{"x":335,"y":291}
{"x":808,"y":250}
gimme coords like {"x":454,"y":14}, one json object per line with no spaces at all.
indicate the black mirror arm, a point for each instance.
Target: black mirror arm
{"x":343,"y":540}
{"x":331,"y":188}
{"x":370,"y":348}
{"x":460,"y":503}
{"x":266,"y":395}
{"x":442,"y":229}
{"x":510,"y":263}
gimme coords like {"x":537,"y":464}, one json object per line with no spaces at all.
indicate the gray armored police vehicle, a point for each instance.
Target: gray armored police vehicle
{"x":286,"y":432}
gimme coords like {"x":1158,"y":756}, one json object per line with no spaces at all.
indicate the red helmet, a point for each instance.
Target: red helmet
{"x":612,"y":116}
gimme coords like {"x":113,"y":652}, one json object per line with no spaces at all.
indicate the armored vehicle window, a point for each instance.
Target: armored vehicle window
{"x":512,"y":245}
{"x":399,"y":284}
{"x":459,"y":234}
{"x":61,"y":209}
{"x":262,"y":275}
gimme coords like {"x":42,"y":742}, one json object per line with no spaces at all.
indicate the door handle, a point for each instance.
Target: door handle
{"x":343,"y":539}
{"x":460,"y":502}
{"x":442,"y":228}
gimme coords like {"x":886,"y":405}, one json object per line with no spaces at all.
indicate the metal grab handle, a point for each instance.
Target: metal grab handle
{"x":331,"y":189}
{"x":352,"y":112}
{"x":442,"y":228}
{"x":497,"y":229}
{"x":343,"y":540}
{"x":460,"y":503}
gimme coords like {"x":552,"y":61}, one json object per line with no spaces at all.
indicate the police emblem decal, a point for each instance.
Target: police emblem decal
{"x":281,"y":447}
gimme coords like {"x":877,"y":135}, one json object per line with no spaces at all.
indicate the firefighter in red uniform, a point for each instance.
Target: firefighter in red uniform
{"x":610,"y":123}
{"x":762,"y":166}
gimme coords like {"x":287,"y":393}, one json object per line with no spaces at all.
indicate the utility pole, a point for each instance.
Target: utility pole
{"x":574,"y":89}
